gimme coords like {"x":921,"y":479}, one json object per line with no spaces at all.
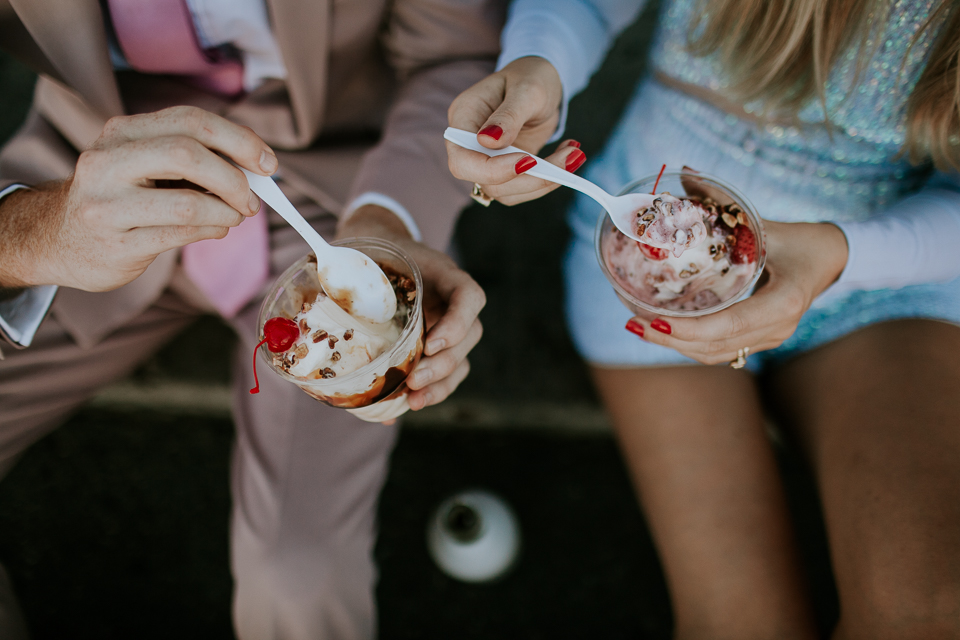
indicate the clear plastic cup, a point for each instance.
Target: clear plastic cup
{"x":671,"y":183}
{"x":377,"y":391}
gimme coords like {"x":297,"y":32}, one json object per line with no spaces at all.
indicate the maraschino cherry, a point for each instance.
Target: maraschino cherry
{"x":279,"y":334}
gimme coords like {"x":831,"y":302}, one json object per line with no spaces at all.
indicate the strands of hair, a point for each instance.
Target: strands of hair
{"x":780,"y":52}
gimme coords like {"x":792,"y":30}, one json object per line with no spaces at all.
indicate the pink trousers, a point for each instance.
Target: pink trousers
{"x":305,"y":477}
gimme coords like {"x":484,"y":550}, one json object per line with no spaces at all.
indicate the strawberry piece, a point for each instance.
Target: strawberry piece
{"x":654,"y":253}
{"x":743,"y":250}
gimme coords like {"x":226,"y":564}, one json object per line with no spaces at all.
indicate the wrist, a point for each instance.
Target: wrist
{"x":29,"y":220}
{"x":374,"y":221}
{"x":835,"y":252}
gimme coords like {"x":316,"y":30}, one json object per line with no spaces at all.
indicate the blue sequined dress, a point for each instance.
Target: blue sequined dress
{"x":791,"y":173}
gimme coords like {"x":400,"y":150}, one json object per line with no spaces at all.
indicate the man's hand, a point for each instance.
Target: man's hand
{"x":451,"y":304}
{"x":518,"y":105}
{"x":103,"y":227}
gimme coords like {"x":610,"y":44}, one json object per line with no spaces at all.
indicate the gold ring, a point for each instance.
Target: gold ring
{"x":478,"y":195}
{"x":741,"y":360}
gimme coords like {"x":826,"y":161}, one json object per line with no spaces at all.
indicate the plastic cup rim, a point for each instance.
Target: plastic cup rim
{"x":412,"y":323}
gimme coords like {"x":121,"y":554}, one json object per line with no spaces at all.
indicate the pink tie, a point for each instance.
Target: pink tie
{"x":157,"y":36}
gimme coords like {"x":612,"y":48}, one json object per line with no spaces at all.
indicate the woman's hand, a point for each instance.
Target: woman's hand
{"x":803,"y":259}
{"x":452,"y":300}
{"x":520,"y":106}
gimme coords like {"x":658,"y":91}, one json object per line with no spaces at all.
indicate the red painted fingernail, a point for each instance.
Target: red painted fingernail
{"x":573,"y":143}
{"x":575,"y":159}
{"x":661,"y":326}
{"x":524,"y":164}
{"x":635,"y":327}
{"x":493,"y":131}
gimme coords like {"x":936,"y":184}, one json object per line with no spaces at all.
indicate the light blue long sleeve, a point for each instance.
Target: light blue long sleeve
{"x":572,"y":35}
{"x":915,"y":241}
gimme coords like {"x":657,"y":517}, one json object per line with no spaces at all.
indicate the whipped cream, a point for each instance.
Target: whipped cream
{"x":674,"y":224}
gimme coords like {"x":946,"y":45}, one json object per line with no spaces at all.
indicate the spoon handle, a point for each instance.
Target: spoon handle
{"x":266,"y":188}
{"x":543,"y":169}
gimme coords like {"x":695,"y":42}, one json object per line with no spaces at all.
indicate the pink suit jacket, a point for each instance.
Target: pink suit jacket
{"x":356,"y":69}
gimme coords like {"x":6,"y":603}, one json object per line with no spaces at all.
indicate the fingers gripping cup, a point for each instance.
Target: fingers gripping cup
{"x":337,"y":359}
{"x":705,"y":277}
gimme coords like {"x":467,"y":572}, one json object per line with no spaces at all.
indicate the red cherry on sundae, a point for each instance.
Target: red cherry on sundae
{"x":744,"y":249}
{"x":279,"y":334}
{"x":654,"y":253}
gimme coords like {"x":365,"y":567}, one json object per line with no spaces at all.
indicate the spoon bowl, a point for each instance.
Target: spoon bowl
{"x":350,"y":278}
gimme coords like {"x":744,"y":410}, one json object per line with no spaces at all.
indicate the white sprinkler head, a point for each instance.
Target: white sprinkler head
{"x":474,"y":536}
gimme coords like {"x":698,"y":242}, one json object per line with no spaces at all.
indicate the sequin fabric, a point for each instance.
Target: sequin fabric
{"x":857,"y":156}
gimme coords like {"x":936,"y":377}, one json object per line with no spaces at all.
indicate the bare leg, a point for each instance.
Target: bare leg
{"x":879,"y":412}
{"x":694,"y":441}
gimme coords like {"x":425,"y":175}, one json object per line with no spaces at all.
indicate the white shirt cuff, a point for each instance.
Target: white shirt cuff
{"x":380,"y":200}
{"x":20,"y":317}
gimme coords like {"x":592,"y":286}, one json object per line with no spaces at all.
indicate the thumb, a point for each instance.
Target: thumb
{"x":520,"y":105}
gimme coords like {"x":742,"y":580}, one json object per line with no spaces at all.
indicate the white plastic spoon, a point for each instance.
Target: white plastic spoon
{"x":350,"y":278}
{"x":622,"y":209}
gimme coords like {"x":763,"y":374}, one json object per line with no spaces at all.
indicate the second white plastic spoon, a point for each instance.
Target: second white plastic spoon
{"x":350,"y":278}
{"x":622,"y":209}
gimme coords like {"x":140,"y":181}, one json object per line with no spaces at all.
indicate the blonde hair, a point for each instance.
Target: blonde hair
{"x":780,"y":51}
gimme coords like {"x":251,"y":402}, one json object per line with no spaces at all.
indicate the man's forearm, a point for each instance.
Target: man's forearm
{"x":29,"y":221}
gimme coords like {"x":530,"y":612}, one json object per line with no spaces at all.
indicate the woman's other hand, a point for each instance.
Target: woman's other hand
{"x":519,"y":106}
{"x":803,"y":259}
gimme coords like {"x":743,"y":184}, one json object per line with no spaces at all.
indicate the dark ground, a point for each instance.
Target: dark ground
{"x":115,"y":525}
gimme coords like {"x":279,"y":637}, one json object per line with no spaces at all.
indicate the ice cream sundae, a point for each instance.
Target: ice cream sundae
{"x":714,"y":258}
{"x":335,"y":357}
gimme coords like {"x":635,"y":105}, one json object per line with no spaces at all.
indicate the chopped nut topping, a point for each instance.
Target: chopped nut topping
{"x":741,"y":218}
{"x":641,"y":229}
{"x":335,"y":356}
{"x":332,"y":340}
{"x":729,"y":219}
{"x":301,"y":351}
{"x":348,"y":334}
{"x":305,"y":307}
{"x":304,"y":327}
{"x":318,"y":336}
{"x":329,"y":373}
{"x":731,"y":239}
{"x":648,"y":218}
{"x":691,"y":270}
{"x":411,"y":296}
